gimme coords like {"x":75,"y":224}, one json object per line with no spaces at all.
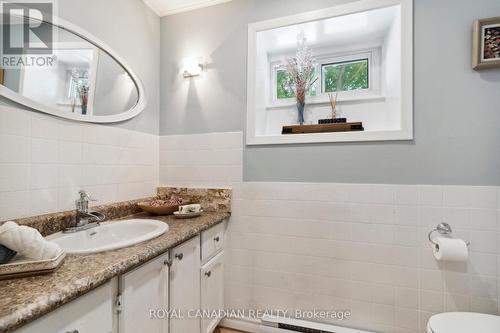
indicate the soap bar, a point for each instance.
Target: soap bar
{"x":186,"y":209}
{"x":6,"y":254}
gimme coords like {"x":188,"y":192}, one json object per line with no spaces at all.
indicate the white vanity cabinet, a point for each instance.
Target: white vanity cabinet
{"x":90,"y":313}
{"x":187,"y":278}
{"x":143,"y":298}
{"x":180,"y":282}
{"x":185,"y":286}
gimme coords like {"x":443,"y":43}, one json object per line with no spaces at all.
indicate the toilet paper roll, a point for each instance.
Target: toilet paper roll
{"x":450,"y":249}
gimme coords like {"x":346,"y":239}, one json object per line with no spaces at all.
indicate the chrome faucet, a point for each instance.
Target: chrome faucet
{"x":84,"y":218}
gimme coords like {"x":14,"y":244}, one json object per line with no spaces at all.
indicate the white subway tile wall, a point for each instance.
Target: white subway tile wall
{"x":44,"y":161}
{"x":361,"y":247}
{"x":202,"y":160}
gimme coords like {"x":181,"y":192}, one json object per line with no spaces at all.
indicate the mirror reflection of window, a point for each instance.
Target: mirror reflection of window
{"x":77,"y":78}
{"x":78,"y":89}
{"x":66,"y":85}
{"x":83,"y":79}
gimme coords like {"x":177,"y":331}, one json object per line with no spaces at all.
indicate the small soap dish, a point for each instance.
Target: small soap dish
{"x":190,"y":215}
{"x":22,"y":267}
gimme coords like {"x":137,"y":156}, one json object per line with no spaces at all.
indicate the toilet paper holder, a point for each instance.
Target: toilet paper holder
{"x":443,"y":229}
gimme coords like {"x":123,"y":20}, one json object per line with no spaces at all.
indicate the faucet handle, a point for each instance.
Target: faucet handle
{"x":86,"y":196}
{"x":82,"y":204}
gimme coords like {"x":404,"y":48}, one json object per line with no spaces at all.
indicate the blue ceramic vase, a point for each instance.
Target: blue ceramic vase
{"x":300,"y":111}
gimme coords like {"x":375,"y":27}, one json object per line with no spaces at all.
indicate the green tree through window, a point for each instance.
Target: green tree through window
{"x":354,"y":75}
{"x":283,"y":90}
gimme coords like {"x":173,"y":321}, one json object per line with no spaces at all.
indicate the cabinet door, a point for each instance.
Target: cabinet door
{"x":185,"y":286}
{"x":144,"y":298}
{"x":212,"y":291}
{"x":90,"y":313}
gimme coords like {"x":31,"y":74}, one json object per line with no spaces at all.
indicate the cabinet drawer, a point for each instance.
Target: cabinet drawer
{"x":212,"y":240}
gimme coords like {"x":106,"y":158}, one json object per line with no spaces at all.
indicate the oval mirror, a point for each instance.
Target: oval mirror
{"x":67,"y":72}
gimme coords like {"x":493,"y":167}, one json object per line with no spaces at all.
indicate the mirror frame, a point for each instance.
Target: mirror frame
{"x":87,"y":36}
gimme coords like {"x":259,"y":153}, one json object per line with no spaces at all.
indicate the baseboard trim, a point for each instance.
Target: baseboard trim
{"x":249,"y":325}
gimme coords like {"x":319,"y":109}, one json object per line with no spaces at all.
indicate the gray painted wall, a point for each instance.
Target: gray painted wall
{"x":133,"y":31}
{"x":457,"y":110}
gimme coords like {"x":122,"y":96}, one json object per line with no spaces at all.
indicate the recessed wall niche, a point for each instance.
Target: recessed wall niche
{"x":361,"y":60}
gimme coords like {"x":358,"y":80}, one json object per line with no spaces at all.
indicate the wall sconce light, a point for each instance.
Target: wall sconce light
{"x":192,"y":67}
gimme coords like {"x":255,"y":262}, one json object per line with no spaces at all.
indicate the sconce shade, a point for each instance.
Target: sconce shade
{"x":192,"y":68}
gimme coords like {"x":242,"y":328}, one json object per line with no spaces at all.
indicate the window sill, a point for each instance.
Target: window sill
{"x":382,"y":135}
{"x":320,"y":101}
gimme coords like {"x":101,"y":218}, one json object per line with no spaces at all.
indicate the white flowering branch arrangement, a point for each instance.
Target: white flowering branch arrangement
{"x":300,"y":70}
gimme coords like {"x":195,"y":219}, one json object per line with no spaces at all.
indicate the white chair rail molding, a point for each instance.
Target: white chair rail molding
{"x":341,"y":74}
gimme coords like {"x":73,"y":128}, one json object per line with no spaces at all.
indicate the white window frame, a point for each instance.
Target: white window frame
{"x":350,"y":59}
{"x":374,"y":76}
{"x":403,"y":132}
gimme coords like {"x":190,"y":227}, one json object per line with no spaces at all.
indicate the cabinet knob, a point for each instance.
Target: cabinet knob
{"x":179,"y":256}
{"x":207,"y":274}
{"x":217,"y":239}
{"x":73,"y":331}
{"x":168,"y":262}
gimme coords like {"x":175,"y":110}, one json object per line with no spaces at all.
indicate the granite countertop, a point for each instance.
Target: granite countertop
{"x":23,"y":300}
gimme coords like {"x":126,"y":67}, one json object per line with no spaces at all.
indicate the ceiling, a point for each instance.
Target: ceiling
{"x":336,"y":31}
{"x":170,"y":7}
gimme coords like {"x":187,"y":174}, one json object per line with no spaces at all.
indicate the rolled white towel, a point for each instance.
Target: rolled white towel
{"x":27,"y":242}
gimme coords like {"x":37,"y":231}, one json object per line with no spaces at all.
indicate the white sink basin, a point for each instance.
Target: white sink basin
{"x":109,"y":236}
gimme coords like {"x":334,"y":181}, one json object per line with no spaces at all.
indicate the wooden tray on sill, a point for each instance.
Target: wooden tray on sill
{"x":323,"y":128}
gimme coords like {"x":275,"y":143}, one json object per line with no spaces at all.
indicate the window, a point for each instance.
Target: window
{"x":283,"y":89}
{"x":358,"y":72}
{"x":77,"y":78}
{"x":351,"y":75}
{"x":369,"y":43}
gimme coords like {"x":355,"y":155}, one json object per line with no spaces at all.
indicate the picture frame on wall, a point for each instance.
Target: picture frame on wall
{"x":486,"y":44}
